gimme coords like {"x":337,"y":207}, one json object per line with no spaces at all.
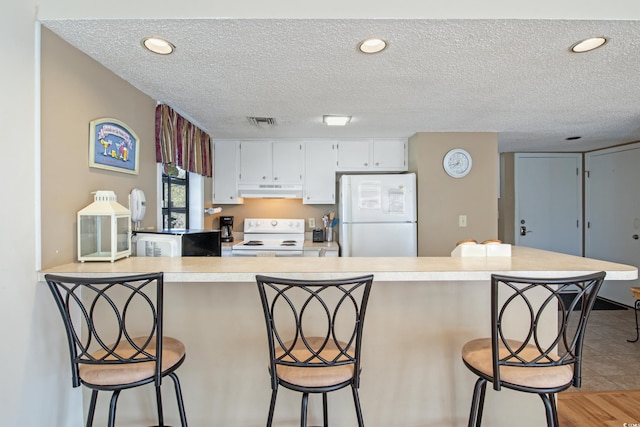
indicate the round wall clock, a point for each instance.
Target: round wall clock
{"x":457,"y":163}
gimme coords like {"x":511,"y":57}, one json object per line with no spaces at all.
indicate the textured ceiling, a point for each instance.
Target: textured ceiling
{"x":513,"y":77}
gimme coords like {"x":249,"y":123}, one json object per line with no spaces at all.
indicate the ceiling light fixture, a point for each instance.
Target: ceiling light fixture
{"x":336,"y":120}
{"x":158,"y":45}
{"x":372,"y":45}
{"x":589,"y":44}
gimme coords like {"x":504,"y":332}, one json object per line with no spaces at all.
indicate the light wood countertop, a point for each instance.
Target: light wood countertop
{"x":523,"y":262}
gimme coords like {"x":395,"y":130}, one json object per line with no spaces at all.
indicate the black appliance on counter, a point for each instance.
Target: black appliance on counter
{"x":173,"y":243}
{"x":226,"y":228}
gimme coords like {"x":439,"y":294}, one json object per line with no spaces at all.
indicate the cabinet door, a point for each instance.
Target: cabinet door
{"x":287,"y":161}
{"x":320,"y":173}
{"x":255,"y":161}
{"x":225,"y":172}
{"x":353,"y":155}
{"x":389,"y":154}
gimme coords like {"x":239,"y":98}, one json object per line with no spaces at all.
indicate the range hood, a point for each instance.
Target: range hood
{"x":270,"y":191}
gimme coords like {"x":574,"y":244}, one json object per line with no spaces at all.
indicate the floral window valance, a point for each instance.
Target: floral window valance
{"x":180,"y":143}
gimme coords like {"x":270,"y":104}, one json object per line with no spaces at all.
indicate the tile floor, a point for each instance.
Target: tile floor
{"x":610,"y":362}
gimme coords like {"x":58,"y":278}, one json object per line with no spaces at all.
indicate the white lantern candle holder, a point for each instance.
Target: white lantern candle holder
{"x":104,"y":229}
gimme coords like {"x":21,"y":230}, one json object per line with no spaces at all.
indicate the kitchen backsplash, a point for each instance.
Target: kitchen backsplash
{"x":270,"y":208}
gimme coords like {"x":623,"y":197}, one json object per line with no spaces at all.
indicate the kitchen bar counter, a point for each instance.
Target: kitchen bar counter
{"x":421,"y":312}
{"x":524,"y":262}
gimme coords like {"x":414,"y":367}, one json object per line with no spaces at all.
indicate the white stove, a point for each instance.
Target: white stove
{"x":271,"y":237}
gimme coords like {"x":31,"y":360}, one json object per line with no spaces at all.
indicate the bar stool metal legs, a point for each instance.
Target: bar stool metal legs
{"x":636,"y":307}
{"x":477,"y":404}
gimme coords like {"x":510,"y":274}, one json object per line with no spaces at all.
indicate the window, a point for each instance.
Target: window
{"x":175,"y":199}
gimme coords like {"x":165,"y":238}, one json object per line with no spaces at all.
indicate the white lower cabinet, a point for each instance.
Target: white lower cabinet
{"x":320,"y":172}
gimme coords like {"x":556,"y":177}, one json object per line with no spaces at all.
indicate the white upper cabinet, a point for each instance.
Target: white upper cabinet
{"x":225,"y":172}
{"x":353,"y":155}
{"x":309,"y":166}
{"x":389,"y":154}
{"x":372,"y":154}
{"x":288,"y":161}
{"x":264,"y":161}
{"x":320,"y":172}
{"x":255,"y":161}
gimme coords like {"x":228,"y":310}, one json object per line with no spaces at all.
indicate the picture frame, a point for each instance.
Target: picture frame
{"x":113,"y":146}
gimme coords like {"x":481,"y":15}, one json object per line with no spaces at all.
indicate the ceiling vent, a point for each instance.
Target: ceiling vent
{"x":262,"y":121}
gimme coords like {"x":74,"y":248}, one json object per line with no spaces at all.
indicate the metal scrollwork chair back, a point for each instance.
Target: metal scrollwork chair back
{"x":114,"y":329}
{"x":314,"y":331}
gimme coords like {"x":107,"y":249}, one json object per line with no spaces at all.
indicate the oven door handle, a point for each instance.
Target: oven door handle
{"x":265,"y":253}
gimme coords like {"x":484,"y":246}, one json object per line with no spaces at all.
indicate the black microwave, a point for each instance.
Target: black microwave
{"x":175,"y":243}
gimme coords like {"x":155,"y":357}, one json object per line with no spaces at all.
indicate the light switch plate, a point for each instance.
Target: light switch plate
{"x":462,"y":221}
{"x":312,"y":223}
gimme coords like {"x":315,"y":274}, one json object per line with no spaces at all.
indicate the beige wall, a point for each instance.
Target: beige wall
{"x":75,"y":90}
{"x":441,"y":199}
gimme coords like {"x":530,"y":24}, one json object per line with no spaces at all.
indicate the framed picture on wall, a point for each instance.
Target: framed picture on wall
{"x":113,"y":145}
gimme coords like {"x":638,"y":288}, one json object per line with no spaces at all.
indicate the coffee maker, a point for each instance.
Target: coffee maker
{"x":226,"y":229}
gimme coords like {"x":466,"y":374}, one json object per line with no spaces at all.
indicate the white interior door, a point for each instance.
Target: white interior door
{"x":612,"y":212}
{"x":548,"y":201}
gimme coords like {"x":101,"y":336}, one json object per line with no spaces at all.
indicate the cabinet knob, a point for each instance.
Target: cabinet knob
{"x":275,"y":178}
{"x":264,"y":177}
{"x":366,"y":164}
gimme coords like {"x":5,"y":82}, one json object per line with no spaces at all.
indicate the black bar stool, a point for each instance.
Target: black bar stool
{"x":105,"y":352}
{"x":314,"y":329}
{"x":525,"y":361}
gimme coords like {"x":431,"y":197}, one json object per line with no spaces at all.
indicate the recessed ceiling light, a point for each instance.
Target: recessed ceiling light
{"x":372,"y":45}
{"x":158,"y":45}
{"x":336,"y":120}
{"x":588,"y":44}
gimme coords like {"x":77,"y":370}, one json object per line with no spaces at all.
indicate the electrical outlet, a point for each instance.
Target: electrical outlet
{"x":312,"y":223}
{"x":462,"y":221}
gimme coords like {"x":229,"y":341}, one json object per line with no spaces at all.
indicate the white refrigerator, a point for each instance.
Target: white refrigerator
{"x":378,"y":215}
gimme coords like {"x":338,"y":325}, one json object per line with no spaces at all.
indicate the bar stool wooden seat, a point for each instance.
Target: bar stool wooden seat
{"x":520,"y":357}
{"x":114,"y":329}
{"x":314,"y":330}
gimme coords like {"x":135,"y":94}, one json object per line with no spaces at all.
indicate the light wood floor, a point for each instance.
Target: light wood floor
{"x":616,"y":408}
{"x":610,"y":393}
